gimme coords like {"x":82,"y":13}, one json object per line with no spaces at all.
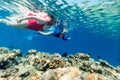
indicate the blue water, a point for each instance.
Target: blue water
{"x":93,"y":26}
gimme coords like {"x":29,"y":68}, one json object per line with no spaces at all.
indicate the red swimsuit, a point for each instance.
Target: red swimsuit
{"x":32,"y":24}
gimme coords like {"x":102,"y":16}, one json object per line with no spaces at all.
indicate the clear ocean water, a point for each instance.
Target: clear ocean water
{"x":93,"y":25}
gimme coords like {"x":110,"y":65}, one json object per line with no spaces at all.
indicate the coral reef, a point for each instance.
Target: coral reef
{"x":45,"y":66}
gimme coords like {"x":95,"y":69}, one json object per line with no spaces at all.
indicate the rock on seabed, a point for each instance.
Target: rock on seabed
{"x":45,"y":66}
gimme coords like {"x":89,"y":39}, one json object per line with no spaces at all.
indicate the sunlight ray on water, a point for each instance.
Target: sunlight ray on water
{"x":102,"y":17}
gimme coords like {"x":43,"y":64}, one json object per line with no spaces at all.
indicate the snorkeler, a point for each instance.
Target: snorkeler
{"x":57,"y":31}
{"x":38,"y":21}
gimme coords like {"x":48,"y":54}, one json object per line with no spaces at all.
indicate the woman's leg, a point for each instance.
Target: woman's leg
{"x":22,"y":24}
{"x":7,"y":22}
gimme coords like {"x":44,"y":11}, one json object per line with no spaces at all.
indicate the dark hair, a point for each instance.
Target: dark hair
{"x":53,"y":20}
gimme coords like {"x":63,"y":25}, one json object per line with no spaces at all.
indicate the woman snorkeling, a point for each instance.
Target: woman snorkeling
{"x":39,"y":21}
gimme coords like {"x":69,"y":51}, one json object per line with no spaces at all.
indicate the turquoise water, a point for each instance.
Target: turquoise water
{"x":94,"y":26}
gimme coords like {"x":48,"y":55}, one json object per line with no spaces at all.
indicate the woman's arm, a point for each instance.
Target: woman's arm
{"x":28,"y":17}
{"x":45,"y":33}
{"x":40,"y":20}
